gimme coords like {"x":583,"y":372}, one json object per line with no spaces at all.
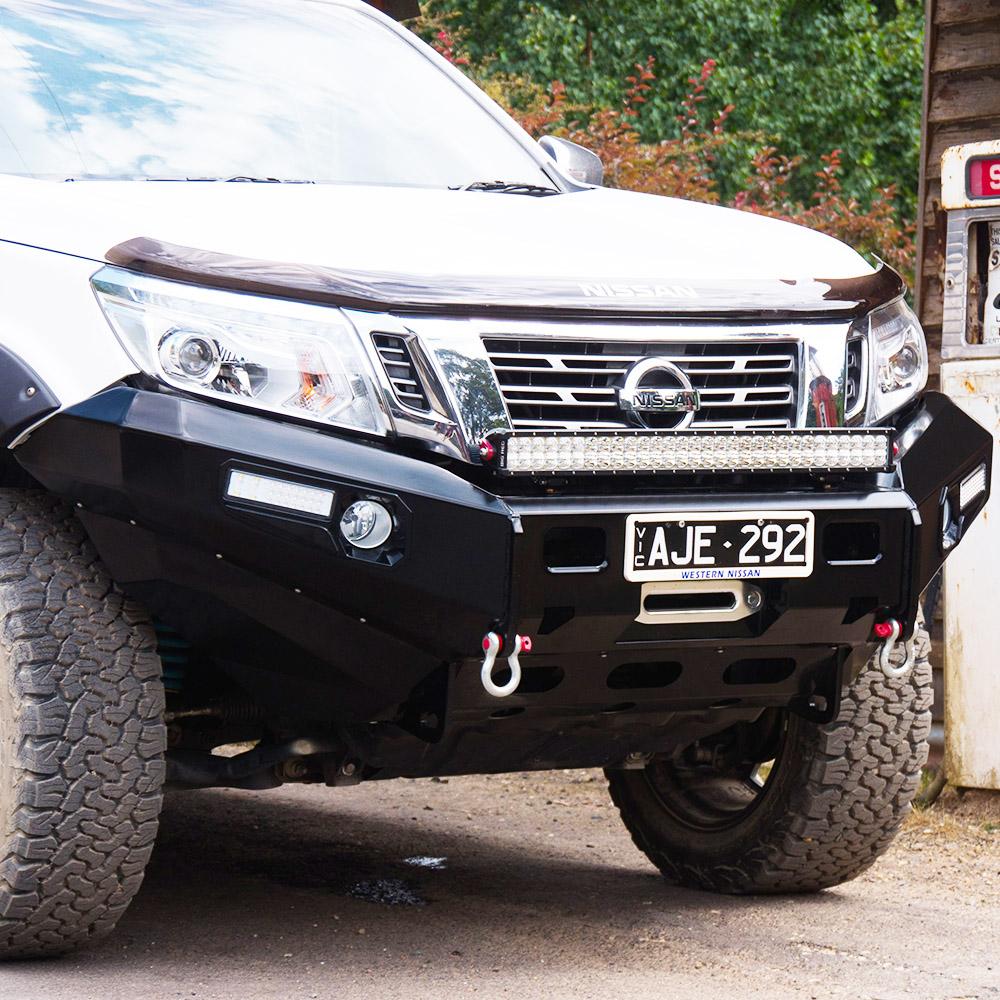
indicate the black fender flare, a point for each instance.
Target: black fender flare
{"x":24,"y":397}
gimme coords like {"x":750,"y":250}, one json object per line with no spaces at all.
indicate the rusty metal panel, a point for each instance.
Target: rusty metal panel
{"x":972,"y":620}
{"x":954,"y":162}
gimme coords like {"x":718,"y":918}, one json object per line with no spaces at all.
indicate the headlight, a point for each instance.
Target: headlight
{"x":289,"y":358}
{"x":898,"y":358}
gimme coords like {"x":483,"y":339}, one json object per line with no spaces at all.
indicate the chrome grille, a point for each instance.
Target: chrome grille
{"x":398,"y":364}
{"x":855,"y":383}
{"x":567,"y":384}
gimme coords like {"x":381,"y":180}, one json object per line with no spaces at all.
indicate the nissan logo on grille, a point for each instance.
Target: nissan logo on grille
{"x":658,"y":386}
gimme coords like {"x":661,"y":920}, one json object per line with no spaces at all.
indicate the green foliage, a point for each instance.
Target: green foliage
{"x":805,"y":76}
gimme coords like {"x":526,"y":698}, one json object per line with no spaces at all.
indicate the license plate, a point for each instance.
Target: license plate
{"x":718,"y":546}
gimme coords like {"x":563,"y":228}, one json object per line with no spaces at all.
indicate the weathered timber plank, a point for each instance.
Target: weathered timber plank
{"x":959,"y":11}
{"x":967,"y":46}
{"x":947,"y":134}
{"x":965,"y":96}
{"x":932,"y":201}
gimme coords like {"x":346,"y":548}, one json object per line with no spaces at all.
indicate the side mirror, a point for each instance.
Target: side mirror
{"x":575,"y":161}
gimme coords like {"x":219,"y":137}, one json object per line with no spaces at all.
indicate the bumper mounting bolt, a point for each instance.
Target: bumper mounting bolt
{"x":754,"y":599}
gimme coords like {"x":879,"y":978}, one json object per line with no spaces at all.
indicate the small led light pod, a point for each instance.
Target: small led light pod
{"x":366,"y":524}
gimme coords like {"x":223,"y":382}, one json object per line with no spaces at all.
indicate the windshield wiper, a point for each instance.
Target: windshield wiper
{"x":512,"y":187}
{"x":195,"y":180}
{"x":241,"y":179}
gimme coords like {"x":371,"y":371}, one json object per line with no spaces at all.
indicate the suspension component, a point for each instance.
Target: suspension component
{"x":174,"y":652}
{"x":233,"y":712}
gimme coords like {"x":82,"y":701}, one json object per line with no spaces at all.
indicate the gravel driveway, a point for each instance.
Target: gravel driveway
{"x":523,"y":886}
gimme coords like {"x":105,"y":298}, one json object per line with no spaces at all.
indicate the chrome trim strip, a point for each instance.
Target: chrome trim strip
{"x":861,"y":404}
{"x":436,"y":428}
{"x":582,"y":570}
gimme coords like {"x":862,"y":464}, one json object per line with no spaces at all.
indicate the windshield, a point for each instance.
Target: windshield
{"x":298,"y":90}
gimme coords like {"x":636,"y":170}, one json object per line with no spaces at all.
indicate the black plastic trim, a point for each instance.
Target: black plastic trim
{"x":24,"y":397}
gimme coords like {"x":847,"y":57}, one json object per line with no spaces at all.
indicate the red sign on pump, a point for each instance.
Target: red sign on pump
{"x":984,"y":177}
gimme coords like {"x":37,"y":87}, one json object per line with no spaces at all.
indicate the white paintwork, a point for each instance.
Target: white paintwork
{"x":972,"y":625}
{"x":596,"y":233}
{"x":954,"y":192}
{"x":51,"y":320}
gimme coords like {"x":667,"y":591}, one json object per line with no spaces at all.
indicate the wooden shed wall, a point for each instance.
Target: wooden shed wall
{"x":961,"y":104}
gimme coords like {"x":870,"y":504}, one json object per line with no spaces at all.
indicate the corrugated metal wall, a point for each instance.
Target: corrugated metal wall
{"x":961,"y":104}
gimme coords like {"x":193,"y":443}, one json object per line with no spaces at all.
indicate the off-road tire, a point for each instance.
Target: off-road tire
{"x":830,"y":808}
{"x":82,"y":738}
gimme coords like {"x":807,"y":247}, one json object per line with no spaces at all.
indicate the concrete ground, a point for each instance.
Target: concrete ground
{"x":523,"y":886}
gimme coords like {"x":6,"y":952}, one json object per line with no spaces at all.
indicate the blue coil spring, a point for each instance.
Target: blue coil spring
{"x":175,"y":655}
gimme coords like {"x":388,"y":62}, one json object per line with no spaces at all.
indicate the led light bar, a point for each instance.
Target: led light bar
{"x":272,"y":492}
{"x":613,"y":452}
{"x":972,"y":486}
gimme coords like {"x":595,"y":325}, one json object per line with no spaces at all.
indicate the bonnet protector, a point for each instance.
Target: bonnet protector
{"x":585,"y":296}
{"x":401,"y":10}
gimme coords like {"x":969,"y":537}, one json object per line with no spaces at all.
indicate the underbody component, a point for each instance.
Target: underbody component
{"x":254,"y":768}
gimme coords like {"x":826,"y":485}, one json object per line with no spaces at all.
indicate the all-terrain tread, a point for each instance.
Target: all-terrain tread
{"x":82,"y":740}
{"x":853,"y":781}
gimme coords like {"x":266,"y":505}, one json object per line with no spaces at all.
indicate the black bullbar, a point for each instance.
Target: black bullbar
{"x":281,"y":595}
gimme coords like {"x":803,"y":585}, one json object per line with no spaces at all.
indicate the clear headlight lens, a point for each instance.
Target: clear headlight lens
{"x":898,"y":354}
{"x":290,"y":358}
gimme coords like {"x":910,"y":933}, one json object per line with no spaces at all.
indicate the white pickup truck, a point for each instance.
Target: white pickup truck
{"x":341,"y":420}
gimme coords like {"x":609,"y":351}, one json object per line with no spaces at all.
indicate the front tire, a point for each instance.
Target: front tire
{"x":82,"y":739}
{"x":831,"y":805}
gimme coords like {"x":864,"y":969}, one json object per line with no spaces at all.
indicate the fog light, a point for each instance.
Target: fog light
{"x":366,"y":524}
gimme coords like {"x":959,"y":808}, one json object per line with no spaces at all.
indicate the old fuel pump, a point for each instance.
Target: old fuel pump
{"x":970,"y":373}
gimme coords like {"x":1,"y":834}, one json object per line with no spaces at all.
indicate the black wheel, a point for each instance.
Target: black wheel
{"x":82,"y":739}
{"x":818,"y":814}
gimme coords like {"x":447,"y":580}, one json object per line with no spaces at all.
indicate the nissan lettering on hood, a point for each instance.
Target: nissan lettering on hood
{"x":346,"y":425}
